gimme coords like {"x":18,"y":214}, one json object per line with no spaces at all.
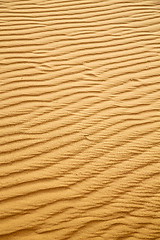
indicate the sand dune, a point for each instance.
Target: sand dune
{"x":79,"y":120}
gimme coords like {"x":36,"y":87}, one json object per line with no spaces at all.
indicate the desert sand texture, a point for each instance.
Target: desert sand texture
{"x":80,"y":120}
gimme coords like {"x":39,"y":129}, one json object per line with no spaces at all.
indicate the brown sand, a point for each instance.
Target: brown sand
{"x":80,"y":119}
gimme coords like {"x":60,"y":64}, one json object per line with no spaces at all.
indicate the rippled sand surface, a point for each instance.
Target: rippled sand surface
{"x":80,"y":120}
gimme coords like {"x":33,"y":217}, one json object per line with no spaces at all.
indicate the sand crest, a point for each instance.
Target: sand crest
{"x":79,"y":120}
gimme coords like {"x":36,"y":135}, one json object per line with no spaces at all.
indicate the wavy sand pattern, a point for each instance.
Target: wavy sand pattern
{"x":79,"y":119}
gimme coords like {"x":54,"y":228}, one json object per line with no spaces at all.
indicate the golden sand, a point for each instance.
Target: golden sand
{"x":80,"y":120}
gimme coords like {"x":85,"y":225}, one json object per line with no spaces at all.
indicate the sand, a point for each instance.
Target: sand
{"x":79,"y":120}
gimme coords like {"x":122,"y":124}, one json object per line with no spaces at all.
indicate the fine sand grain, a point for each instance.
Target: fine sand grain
{"x":79,"y":120}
